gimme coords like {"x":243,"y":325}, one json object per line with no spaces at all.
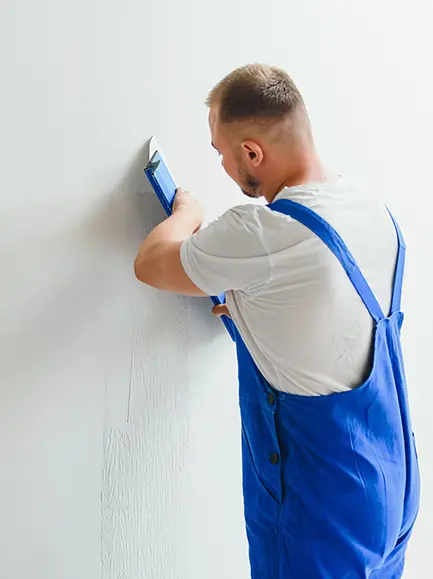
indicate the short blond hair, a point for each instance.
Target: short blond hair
{"x":254,"y":92}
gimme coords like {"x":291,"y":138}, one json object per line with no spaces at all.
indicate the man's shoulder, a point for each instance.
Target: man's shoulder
{"x":250,"y":230}
{"x":254,"y":215}
{"x":238,"y":231}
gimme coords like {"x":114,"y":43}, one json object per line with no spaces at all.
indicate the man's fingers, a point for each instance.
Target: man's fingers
{"x":221,"y":310}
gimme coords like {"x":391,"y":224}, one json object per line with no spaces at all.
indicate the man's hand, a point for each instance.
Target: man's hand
{"x":221,"y":310}
{"x":183,"y":201}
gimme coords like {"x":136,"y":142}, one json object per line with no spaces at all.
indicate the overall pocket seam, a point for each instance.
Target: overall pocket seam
{"x":259,"y":478}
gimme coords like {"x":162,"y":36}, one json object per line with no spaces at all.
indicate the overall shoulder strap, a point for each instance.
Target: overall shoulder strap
{"x":332,"y":239}
{"x":399,"y":269}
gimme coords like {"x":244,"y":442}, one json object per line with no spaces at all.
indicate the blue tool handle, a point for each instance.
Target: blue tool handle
{"x":162,"y":182}
{"x":165,"y":188}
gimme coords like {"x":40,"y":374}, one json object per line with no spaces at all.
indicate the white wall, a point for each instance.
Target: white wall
{"x":119,"y":441}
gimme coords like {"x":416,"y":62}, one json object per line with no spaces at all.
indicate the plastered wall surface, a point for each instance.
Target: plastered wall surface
{"x":119,"y":428}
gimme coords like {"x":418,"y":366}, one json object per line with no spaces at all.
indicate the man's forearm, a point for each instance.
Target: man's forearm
{"x":175,"y":229}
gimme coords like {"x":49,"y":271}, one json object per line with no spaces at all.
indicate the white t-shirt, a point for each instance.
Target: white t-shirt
{"x":294,"y":306}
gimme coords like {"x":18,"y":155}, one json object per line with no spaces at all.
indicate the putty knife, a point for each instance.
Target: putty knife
{"x":164,"y":185}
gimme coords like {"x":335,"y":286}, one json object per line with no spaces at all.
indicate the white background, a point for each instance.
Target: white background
{"x":119,"y":432}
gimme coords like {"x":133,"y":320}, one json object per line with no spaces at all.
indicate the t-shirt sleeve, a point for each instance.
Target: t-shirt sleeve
{"x":228,"y":254}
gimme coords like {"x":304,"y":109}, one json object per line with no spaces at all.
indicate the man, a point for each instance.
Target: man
{"x":330,"y":474}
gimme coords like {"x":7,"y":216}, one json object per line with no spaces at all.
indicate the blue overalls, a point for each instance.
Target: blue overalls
{"x":331,"y":483}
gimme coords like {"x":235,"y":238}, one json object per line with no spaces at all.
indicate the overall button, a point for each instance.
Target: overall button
{"x":274,"y":458}
{"x":271,"y":399}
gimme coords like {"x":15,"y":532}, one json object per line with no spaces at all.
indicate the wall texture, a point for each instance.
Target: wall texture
{"x":119,"y":431}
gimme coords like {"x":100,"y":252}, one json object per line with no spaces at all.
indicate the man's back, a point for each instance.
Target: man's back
{"x":294,"y":306}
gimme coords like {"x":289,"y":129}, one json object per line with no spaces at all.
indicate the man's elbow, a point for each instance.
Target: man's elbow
{"x":142,"y":270}
{"x":164,"y":271}
{"x":138,"y":270}
{"x":149,"y":269}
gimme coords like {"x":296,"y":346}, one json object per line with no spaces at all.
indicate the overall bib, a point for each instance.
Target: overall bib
{"x":331,"y":483}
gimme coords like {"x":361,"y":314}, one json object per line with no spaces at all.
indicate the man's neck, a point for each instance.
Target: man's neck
{"x":311,"y":171}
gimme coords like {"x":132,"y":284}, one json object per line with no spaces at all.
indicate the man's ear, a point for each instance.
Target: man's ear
{"x":252,"y":153}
